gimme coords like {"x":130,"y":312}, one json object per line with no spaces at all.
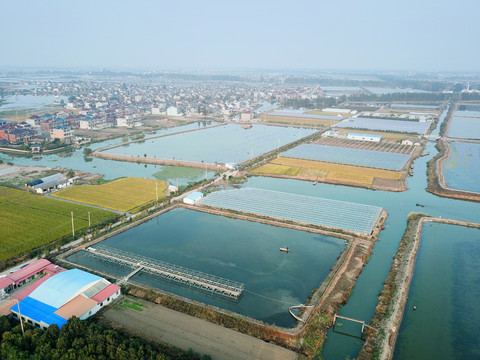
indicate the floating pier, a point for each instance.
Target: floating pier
{"x":194,"y":278}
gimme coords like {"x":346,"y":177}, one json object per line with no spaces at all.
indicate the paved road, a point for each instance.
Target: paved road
{"x":187,"y":332}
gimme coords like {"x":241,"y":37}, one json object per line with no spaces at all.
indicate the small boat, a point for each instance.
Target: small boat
{"x":315,"y":182}
{"x":285,"y":249}
{"x":421,"y":205}
{"x":414,"y":307}
{"x":382,"y":227}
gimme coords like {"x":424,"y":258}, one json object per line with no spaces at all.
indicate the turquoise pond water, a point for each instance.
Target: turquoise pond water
{"x":29,"y":102}
{"x":227,"y":143}
{"x":462,"y":169}
{"x":464,"y":127}
{"x":361,"y":305}
{"x":445,"y":290}
{"x":243,"y":251}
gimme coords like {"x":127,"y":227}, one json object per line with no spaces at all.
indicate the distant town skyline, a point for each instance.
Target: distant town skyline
{"x":370,"y":35}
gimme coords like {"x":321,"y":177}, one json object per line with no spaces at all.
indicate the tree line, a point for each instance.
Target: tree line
{"x":80,"y":339}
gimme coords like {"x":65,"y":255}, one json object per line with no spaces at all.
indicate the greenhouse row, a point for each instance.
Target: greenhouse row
{"x":400,"y":126}
{"x":305,"y":209}
{"x":350,"y":156}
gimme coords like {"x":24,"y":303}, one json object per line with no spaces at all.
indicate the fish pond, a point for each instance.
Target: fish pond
{"x":238,"y":250}
{"x":445,"y":290}
{"x":461,"y":170}
{"x":227,"y":143}
{"x":75,"y":159}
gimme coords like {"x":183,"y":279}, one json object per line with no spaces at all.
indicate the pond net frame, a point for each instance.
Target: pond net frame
{"x":305,"y":209}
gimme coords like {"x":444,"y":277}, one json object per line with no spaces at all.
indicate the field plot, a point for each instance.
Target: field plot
{"x":306,"y":209}
{"x":302,"y":120}
{"x":400,"y":126}
{"x":349,"y":156}
{"x":464,"y":127}
{"x":324,"y":171}
{"x":390,"y":146}
{"x":121,"y":195}
{"x":28,"y":221}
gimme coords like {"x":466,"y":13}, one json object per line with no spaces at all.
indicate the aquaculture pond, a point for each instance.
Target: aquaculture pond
{"x":227,"y":143}
{"x":361,"y":304}
{"x":75,"y":159}
{"x":464,"y":127}
{"x":20,"y":102}
{"x":238,"y":250}
{"x":445,"y":290}
{"x":462,"y":169}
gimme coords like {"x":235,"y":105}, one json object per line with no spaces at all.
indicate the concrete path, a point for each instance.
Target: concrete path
{"x":186,"y":332}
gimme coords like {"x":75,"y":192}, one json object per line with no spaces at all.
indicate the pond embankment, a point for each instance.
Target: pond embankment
{"x":436,"y":180}
{"x":388,"y":316}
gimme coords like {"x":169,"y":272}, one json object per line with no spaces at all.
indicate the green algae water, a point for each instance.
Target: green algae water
{"x":239,"y":250}
{"x":445,"y":289}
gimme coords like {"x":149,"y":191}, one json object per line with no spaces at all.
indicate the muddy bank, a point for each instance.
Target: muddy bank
{"x":155,"y":161}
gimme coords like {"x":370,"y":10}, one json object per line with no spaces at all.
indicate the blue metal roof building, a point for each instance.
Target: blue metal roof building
{"x":66,"y":294}
{"x":62,"y":287}
{"x":39,"y":312}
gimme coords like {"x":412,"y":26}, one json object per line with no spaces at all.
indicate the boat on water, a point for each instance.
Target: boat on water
{"x":285,"y":249}
{"x":315,"y":182}
{"x":421,"y":205}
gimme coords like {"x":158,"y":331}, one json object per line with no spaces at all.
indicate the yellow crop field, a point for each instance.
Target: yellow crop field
{"x":277,"y":169}
{"x":325,"y":171}
{"x":122,"y":195}
{"x":298,"y":120}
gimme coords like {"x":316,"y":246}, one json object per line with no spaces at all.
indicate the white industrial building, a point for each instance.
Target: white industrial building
{"x":193,"y":198}
{"x":364,"y":137}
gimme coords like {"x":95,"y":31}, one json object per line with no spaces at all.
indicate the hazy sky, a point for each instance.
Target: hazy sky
{"x":435,"y":35}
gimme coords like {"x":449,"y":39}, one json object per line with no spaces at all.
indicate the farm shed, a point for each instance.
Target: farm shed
{"x":193,"y":198}
{"x":69,"y":293}
{"x":364,"y":137}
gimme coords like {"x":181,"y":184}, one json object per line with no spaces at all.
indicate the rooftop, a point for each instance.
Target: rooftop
{"x":39,"y":312}
{"x":29,"y":270}
{"x":62,"y":287}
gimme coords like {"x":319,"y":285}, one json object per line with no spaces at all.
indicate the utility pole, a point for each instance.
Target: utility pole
{"x":73,"y":226}
{"x":20,"y":315}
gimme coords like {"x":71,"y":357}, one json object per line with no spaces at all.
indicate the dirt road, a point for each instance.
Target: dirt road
{"x":184,"y":331}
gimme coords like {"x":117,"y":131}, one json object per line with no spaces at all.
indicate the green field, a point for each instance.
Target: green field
{"x":28,"y":221}
{"x":122,"y":195}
